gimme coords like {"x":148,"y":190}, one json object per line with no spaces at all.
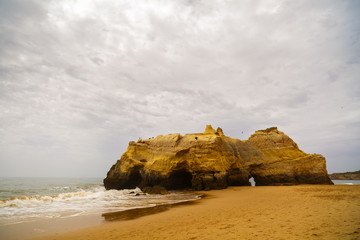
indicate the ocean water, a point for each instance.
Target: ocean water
{"x":31,"y":199}
{"x":346,"y":182}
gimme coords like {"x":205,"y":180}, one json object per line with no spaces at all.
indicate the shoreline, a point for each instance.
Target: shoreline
{"x":279,"y":212}
{"x":48,"y":227}
{"x":262,"y":212}
{"x":135,"y":213}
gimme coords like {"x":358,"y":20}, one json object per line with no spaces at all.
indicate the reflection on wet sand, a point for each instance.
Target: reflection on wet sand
{"x":140,"y":212}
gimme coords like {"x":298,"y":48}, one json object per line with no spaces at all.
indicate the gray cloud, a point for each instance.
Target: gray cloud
{"x":79,"y":79}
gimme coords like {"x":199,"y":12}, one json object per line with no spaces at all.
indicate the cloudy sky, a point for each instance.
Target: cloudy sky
{"x":79,"y":79}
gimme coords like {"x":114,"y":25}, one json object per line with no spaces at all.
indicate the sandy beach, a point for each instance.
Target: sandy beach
{"x":284,"y":212}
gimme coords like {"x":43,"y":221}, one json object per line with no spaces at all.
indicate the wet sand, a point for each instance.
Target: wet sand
{"x":284,"y":212}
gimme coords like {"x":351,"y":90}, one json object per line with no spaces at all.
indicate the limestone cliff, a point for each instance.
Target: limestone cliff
{"x":284,"y":163}
{"x":211,"y":160}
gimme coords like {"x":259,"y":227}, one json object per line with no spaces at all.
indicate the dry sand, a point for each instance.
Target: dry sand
{"x":284,"y":212}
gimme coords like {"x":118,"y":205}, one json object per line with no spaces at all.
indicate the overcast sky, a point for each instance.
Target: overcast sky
{"x":79,"y":79}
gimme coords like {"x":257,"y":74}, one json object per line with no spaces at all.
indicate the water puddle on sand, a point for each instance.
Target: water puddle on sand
{"x":140,"y":212}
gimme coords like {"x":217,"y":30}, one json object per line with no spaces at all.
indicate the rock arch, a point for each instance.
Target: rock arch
{"x":214,"y":161}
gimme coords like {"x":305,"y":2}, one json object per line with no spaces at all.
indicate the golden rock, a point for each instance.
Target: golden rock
{"x":211,"y":160}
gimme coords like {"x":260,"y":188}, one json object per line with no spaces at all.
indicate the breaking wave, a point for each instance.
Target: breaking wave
{"x":85,"y":201}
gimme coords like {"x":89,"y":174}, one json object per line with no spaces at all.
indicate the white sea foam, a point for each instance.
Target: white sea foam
{"x":92,"y":200}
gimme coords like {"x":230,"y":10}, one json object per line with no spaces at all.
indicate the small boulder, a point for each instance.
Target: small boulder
{"x":155,"y":190}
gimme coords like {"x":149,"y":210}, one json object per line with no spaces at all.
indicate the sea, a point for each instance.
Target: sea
{"x":31,"y":199}
{"x":346,"y":182}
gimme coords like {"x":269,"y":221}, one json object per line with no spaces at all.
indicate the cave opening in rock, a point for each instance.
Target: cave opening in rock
{"x":180,"y":179}
{"x":252,"y":181}
{"x":134,"y":179}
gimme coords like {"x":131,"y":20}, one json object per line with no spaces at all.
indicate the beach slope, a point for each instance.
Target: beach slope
{"x":271,"y":212}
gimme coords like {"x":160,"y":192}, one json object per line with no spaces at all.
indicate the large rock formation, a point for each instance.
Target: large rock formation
{"x":211,"y":160}
{"x":345,"y":176}
{"x":284,"y":163}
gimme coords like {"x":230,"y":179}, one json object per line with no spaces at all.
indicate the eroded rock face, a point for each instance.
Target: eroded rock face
{"x":284,"y":162}
{"x":211,"y":160}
